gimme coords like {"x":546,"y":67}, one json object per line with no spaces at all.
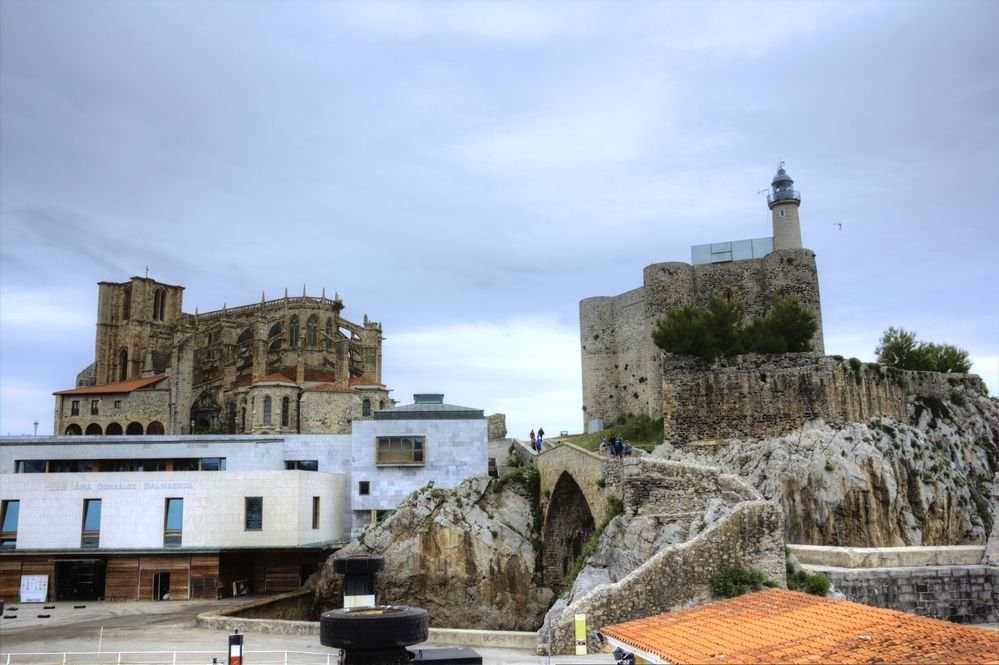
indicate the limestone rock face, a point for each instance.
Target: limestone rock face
{"x":877,"y":484}
{"x":465,"y":555}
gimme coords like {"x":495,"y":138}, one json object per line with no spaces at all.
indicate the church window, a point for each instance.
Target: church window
{"x":781,"y":212}
{"x":74,"y":409}
{"x":126,"y":303}
{"x":123,"y":365}
{"x":329,"y":335}
{"x":366,"y":407}
{"x":159,"y":304}
{"x":293,"y":332}
{"x":267,"y":410}
{"x":276,"y":330}
{"x":312,"y":330}
{"x":284,"y":412}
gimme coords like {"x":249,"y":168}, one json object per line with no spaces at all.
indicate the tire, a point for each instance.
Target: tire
{"x":359,"y":565}
{"x":378,"y":627}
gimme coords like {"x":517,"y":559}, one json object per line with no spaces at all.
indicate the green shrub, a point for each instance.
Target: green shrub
{"x":736,"y":581}
{"x":855,"y":364}
{"x":816,"y":584}
{"x":899,"y":348}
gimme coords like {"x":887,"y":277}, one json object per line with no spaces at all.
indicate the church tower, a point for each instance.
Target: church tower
{"x":784,"y":201}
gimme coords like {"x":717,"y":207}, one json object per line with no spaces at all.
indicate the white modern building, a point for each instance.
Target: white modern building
{"x":154,"y":517}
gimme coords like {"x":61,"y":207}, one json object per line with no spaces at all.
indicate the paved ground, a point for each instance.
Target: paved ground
{"x":170,"y":626}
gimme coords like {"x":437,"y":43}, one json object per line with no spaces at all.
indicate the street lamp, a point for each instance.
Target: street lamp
{"x":36,"y":428}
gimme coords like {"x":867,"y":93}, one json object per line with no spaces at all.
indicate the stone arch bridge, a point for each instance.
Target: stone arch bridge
{"x":575,"y":486}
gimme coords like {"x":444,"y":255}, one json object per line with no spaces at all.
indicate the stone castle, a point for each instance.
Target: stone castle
{"x":290,"y":365}
{"x":622,"y":366}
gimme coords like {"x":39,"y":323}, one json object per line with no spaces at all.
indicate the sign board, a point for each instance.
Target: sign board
{"x":580,"y":634}
{"x":34,"y":588}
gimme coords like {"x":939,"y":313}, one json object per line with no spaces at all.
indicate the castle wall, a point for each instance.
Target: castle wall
{"x":762,"y":395}
{"x":620,"y":362}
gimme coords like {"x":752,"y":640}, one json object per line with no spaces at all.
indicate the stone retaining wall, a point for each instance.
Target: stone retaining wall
{"x":888,"y":557}
{"x":680,"y":575}
{"x":963,"y":594}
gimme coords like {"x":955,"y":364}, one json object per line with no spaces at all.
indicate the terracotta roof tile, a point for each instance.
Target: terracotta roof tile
{"x":777,"y":625}
{"x":319,"y":376}
{"x":120,"y":387}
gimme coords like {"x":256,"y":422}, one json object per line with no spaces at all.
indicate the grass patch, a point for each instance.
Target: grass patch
{"x":640,"y":431}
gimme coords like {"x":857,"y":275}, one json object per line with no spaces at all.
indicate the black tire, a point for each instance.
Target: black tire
{"x":359,"y":564}
{"x":378,"y":627}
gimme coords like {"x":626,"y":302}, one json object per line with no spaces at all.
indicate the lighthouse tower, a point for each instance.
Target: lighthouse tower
{"x":784,"y":201}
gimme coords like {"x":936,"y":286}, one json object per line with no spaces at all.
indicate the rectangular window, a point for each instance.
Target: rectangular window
{"x":94,"y":407}
{"x":91,"y":523}
{"x":30,"y":466}
{"x":315,"y":512}
{"x":364,"y":487}
{"x":74,"y":409}
{"x":9,"y":512}
{"x":399,"y":450}
{"x":254,"y":513}
{"x":173,"y":522}
{"x":302,"y":465}
{"x":213,"y":464}
{"x":117,"y":404}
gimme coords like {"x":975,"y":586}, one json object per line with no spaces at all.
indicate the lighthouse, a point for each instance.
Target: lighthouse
{"x":784,"y":201}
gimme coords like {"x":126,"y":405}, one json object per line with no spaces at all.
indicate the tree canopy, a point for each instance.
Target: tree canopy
{"x":718,"y":330}
{"x":900,"y":348}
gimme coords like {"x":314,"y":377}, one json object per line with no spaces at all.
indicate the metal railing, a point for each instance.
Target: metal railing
{"x":168,"y":658}
{"x":786,"y":195}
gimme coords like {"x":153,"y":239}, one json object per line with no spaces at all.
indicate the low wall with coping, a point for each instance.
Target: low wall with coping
{"x":246,"y":617}
{"x":948,"y":582}
{"x":888,"y":557}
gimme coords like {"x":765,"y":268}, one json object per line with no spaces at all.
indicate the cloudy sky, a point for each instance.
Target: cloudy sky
{"x":466,"y":172}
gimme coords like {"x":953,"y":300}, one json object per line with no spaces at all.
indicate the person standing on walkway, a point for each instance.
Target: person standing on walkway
{"x":533,"y":447}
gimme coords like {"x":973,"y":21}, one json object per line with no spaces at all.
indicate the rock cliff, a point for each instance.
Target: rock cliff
{"x":466,"y":555}
{"x":928,"y":481}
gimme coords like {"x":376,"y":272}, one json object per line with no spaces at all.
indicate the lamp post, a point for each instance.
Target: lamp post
{"x":36,"y":428}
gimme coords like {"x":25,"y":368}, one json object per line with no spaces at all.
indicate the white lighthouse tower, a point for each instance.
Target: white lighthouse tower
{"x":784,"y":201}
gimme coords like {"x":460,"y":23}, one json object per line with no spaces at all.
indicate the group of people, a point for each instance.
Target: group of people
{"x":616,"y":446}
{"x":537,"y":439}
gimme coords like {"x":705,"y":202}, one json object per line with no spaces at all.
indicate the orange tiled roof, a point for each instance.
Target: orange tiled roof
{"x":244,"y":379}
{"x":120,"y":387}
{"x":330,"y":388}
{"x":780,"y":626}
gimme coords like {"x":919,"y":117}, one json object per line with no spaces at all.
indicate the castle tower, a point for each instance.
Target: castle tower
{"x":784,"y":201}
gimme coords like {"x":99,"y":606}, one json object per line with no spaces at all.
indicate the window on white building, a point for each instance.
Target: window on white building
{"x":9,"y":512}
{"x":254,"y":513}
{"x":400,"y":450}
{"x":91,"y":536}
{"x":315,"y":512}
{"x":173,"y":522}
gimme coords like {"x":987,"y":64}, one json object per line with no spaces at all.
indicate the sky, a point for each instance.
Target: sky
{"x":466,"y":172}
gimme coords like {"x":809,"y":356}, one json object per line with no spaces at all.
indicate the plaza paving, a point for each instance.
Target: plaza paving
{"x":171,"y":627}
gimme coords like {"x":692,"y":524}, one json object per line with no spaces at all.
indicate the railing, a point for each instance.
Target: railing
{"x":786,"y":195}
{"x":168,"y":658}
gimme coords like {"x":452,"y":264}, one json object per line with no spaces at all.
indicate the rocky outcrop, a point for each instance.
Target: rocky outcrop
{"x":466,"y":555}
{"x":928,"y":481}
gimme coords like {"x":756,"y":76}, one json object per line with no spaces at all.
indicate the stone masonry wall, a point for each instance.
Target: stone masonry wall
{"x":680,"y":575}
{"x":963,"y":594}
{"x":496,"y":426}
{"x":758,"y":396}
{"x":620,"y":363}
{"x":673,"y":488}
